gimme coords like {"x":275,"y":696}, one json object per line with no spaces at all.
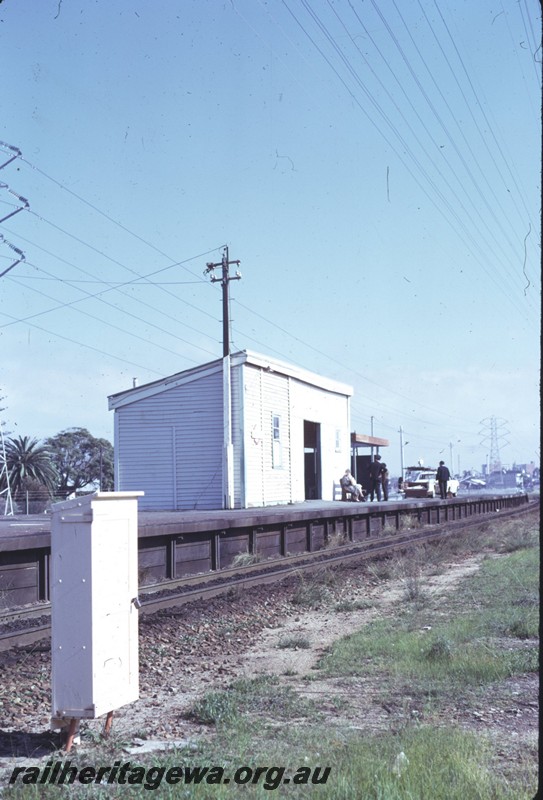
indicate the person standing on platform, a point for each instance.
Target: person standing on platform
{"x":443,"y":477}
{"x":375,"y":477}
{"x":384,"y":480}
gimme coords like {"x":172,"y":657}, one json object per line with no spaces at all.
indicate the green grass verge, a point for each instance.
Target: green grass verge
{"x":436,"y":764}
{"x":479,"y":641}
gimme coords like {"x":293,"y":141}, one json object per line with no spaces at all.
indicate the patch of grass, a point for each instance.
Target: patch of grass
{"x":246,"y":559}
{"x":441,"y":649}
{"x":294,"y":642}
{"x":409,"y":568}
{"x":519,"y":628}
{"x":261,"y":695}
{"x":409,"y":522}
{"x":335,"y":540}
{"x":517,"y":534}
{"x":314,"y":590}
{"x":381,"y":568}
{"x":413,"y":589}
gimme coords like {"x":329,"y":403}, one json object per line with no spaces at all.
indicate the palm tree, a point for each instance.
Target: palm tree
{"x":27,"y":460}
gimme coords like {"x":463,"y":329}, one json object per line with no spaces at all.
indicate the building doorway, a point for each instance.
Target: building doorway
{"x":312,"y":460}
{"x":361,"y":471}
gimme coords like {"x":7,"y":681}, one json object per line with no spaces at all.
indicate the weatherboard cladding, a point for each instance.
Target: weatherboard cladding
{"x":237,"y":401}
{"x":276,"y":401}
{"x":266,"y":394}
{"x":170,"y":446}
{"x":253,"y":437}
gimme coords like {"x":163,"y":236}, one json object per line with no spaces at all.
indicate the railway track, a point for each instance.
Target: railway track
{"x":24,"y":626}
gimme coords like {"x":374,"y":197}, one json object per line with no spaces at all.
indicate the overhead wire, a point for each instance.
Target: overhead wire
{"x":107,"y":216}
{"x":451,"y":210}
{"x":535,"y":111}
{"x":480,"y":106}
{"x":447,"y":133}
{"x":530,"y":35}
{"x":118,"y":288}
{"x":393,"y":73}
{"x":139,"y":301}
{"x":119,"y":263}
{"x":112,"y":284}
{"x":350,"y":369}
{"x":87,"y":346}
{"x":132,"y":334}
{"x":484,"y":140}
{"x":488,"y":245}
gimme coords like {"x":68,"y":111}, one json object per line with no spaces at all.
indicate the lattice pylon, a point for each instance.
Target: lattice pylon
{"x":8,"y":504}
{"x":493,"y":433}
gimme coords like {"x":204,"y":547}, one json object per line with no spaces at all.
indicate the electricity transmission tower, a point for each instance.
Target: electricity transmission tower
{"x":8,"y":506}
{"x":494,"y":434}
{"x":13,"y":153}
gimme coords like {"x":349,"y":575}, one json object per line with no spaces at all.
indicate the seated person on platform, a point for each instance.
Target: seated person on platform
{"x":350,"y":486}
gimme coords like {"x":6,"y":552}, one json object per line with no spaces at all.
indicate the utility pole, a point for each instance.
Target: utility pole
{"x":228,"y":447}
{"x":225,"y":280}
{"x":401,"y":450}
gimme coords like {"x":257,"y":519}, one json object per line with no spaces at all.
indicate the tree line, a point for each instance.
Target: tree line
{"x":56,"y":467}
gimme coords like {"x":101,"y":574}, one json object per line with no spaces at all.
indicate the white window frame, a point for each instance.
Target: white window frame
{"x":277,"y":441}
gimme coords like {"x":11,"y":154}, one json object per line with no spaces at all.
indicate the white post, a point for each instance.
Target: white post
{"x":228,"y":460}
{"x":401,"y":449}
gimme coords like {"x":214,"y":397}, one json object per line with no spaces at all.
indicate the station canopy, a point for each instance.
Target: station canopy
{"x":361,"y":440}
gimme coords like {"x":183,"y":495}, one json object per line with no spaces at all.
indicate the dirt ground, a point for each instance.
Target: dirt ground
{"x":187,"y":652}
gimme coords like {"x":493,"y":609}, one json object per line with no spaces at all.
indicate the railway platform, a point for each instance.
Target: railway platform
{"x":177,"y":544}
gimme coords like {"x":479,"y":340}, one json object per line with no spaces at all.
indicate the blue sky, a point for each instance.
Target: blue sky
{"x":374,"y":165}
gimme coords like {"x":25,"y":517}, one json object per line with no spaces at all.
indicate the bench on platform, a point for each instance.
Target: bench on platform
{"x":341,"y":494}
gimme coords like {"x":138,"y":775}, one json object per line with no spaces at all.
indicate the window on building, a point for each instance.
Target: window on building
{"x":277,"y":445}
{"x":338,"y":440}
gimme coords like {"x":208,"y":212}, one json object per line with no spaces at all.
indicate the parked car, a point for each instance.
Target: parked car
{"x":472,"y":483}
{"x":421,"y":482}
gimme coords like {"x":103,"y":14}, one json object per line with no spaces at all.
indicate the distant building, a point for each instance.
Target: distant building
{"x":239,"y":432}
{"x":526,"y":469}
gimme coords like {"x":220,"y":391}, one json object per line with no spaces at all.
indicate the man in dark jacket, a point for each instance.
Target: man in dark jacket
{"x":384,"y":480}
{"x":376,"y":469}
{"x":443,"y":476}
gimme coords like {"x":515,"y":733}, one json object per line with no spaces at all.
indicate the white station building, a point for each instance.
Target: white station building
{"x":243,"y":431}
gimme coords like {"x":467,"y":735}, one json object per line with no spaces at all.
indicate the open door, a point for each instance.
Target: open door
{"x":312,"y":460}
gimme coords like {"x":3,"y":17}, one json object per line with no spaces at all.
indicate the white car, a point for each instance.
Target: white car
{"x":420,"y":482}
